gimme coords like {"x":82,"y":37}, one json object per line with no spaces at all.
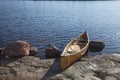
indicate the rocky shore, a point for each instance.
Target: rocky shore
{"x":100,"y":67}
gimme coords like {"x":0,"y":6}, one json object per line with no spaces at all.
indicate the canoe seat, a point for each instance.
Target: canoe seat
{"x":81,"y":43}
{"x":84,"y":41}
{"x":70,"y":52}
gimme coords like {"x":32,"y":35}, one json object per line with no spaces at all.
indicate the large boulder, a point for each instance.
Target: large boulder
{"x":18,"y":48}
{"x":96,"y":46}
{"x":52,"y":52}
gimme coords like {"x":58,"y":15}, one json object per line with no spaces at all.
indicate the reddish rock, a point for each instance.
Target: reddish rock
{"x":52,"y":52}
{"x":18,"y":48}
{"x":96,"y":46}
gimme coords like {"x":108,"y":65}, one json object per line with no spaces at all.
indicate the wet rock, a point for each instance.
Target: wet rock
{"x":96,"y":46}
{"x":18,"y":48}
{"x":52,"y":52}
{"x":33,"y":51}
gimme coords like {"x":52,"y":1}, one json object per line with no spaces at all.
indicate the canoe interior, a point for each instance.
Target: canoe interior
{"x":74,"y":50}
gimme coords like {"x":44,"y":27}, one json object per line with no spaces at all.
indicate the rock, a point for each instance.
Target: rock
{"x":52,"y":52}
{"x":1,"y":51}
{"x":18,"y":48}
{"x":33,"y":51}
{"x":100,"y":67}
{"x":25,"y":68}
{"x":96,"y":46}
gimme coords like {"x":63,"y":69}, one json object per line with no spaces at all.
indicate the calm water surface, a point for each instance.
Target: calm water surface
{"x":57,"y":22}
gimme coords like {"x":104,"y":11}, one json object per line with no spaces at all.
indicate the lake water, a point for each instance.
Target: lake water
{"x":57,"y":22}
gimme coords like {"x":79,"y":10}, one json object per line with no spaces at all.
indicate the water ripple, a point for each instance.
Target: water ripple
{"x":42,"y":23}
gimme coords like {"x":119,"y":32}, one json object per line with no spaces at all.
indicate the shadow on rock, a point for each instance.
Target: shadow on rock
{"x":54,"y":70}
{"x":4,"y":61}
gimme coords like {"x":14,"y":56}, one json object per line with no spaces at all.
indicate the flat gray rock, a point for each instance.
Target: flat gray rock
{"x":100,"y":67}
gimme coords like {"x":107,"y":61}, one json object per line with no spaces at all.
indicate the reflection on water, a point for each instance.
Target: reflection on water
{"x":57,"y":22}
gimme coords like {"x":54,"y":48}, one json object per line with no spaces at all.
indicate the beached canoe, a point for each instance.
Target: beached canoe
{"x":74,"y":50}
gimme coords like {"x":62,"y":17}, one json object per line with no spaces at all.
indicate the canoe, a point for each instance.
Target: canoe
{"x":74,"y":50}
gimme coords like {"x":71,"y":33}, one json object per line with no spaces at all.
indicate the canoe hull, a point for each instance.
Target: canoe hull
{"x":66,"y":61}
